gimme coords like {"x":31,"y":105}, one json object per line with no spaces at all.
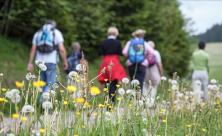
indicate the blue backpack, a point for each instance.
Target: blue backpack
{"x":136,"y":51}
{"x":45,"y":40}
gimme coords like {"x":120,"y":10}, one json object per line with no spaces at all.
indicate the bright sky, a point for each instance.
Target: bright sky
{"x":203,"y":13}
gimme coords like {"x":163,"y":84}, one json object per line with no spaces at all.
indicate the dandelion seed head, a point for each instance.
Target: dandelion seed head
{"x":28,"y":109}
{"x":121,"y":91}
{"x":125,"y":80}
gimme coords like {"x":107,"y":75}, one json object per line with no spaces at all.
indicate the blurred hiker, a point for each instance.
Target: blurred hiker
{"x":136,"y":51}
{"x":46,"y":44}
{"x":74,"y":58}
{"x":110,"y":69}
{"x":200,"y":67}
{"x":154,"y":72}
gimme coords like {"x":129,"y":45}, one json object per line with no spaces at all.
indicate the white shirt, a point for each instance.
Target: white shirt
{"x":49,"y":57}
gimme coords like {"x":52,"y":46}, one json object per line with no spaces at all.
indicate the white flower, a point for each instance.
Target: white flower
{"x":163,"y":78}
{"x":47,"y":105}
{"x":121,"y":91}
{"x":144,"y":120}
{"x":45,"y":96}
{"x":150,"y":102}
{"x":129,"y":91}
{"x":213,"y":81}
{"x":10,"y":94}
{"x":135,"y":82}
{"x":140,"y":103}
{"x":28,"y":109}
{"x":55,"y":86}
{"x":15,"y":98}
{"x":145,"y":132}
{"x":174,"y":87}
{"x":29,"y":76}
{"x":52,"y":92}
{"x":174,"y":82}
{"x":73,"y":74}
{"x":107,"y":116}
{"x":79,"y":67}
{"x":125,"y":80}
{"x":42,"y":67}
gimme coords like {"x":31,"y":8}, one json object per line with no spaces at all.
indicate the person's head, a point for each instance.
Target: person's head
{"x":152,"y":44}
{"x":112,"y":31}
{"x":201,"y":45}
{"x":139,"y":33}
{"x":51,"y":22}
{"x":76,"y":46}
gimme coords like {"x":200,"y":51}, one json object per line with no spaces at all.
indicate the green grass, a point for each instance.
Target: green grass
{"x":215,"y":52}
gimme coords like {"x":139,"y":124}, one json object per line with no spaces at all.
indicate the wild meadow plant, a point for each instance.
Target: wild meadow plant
{"x":81,"y":108}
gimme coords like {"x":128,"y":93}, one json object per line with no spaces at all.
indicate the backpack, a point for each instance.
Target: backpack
{"x":151,"y":59}
{"x":73,"y":60}
{"x":45,"y":40}
{"x":136,"y":51}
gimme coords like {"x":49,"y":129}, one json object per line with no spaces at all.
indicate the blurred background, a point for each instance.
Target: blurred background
{"x":175,"y":26}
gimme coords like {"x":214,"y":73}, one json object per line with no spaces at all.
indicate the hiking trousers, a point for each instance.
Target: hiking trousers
{"x":202,"y":76}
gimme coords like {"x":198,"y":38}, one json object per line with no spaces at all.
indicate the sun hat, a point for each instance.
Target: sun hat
{"x":138,"y":32}
{"x":113,"y":31}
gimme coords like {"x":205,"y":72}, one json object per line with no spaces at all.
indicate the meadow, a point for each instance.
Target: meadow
{"x":81,"y":108}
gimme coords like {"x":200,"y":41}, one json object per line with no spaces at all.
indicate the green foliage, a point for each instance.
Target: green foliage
{"x":87,"y":21}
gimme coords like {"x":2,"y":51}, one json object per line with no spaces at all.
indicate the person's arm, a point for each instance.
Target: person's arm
{"x":31,"y":57}
{"x":125,"y":49}
{"x":207,"y":63}
{"x":159,"y":62}
{"x":62,"y":52}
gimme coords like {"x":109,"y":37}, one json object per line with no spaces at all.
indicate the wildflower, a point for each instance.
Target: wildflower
{"x":125,"y":80}
{"x":213,"y":81}
{"x":174,"y":82}
{"x":2,"y":100}
{"x":61,"y":91}
{"x":119,"y":98}
{"x":52,"y":92}
{"x":41,"y":65}
{"x":47,"y":105}
{"x":135,"y":82}
{"x":71,"y":88}
{"x":101,"y":105}
{"x":45,"y":96}
{"x":39,"y":83}
{"x":29,"y":76}
{"x":107,"y":116}
{"x":129,"y":91}
{"x":15,"y":116}
{"x":204,"y":130}
{"x":95,"y":114}
{"x":164,"y":120}
{"x":19,"y":84}
{"x":78,"y":113}
{"x":11,"y":93}
{"x":79,"y":67}
{"x":117,"y":85}
{"x":189,"y":126}
{"x":121,"y":91}
{"x":105,"y":89}
{"x":24,"y":119}
{"x":15,"y":98}
{"x":55,"y":86}
{"x":65,"y":102}
{"x":73,"y":74}
{"x":86,"y":104}
{"x":150,"y":102}
{"x":42,"y":130}
{"x":28,"y":109}
{"x":1,"y":74}
{"x":94,"y":90}
{"x":80,"y":100}
{"x":76,"y":135}
{"x":163,"y":78}
{"x":140,"y":102}
{"x":4,"y":89}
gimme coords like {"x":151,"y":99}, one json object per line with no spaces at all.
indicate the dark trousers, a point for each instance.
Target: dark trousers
{"x":112,"y":89}
{"x":137,"y":71}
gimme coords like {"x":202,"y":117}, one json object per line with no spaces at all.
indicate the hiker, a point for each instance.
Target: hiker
{"x":45,"y":45}
{"x":154,"y":73}
{"x":111,"y":71}
{"x":200,"y":67}
{"x":136,"y":51}
{"x":74,"y":58}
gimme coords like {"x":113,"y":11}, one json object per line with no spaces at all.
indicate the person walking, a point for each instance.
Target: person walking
{"x":111,"y":71}
{"x":154,"y":73}
{"x":45,"y":45}
{"x":200,"y":67}
{"x":136,"y":51}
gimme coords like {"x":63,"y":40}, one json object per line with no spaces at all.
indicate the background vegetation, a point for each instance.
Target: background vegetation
{"x":87,"y":21}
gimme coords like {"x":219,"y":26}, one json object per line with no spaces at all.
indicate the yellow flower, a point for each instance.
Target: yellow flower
{"x":39,"y":83}
{"x":117,"y":85}
{"x":119,"y":98}
{"x":65,"y":102}
{"x":15,"y":116}
{"x":94,"y":90}
{"x":24,"y":119}
{"x":204,"y":130}
{"x":164,"y":120}
{"x":3,"y":100}
{"x":78,"y":113}
{"x":86,"y":104}
{"x":80,"y":100}
{"x":76,"y":135}
{"x":95,"y":114}
{"x":105,"y":89}
{"x":19,"y":84}
{"x":189,"y":126}
{"x":42,"y":130}
{"x":101,"y":105}
{"x":4,"y":89}
{"x":71,"y":88}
